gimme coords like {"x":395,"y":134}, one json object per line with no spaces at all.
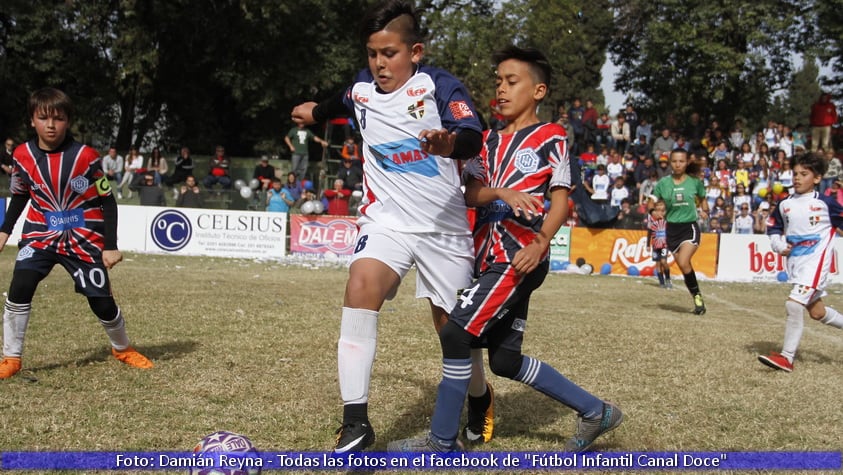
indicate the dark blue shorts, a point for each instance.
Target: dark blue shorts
{"x":91,"y":279}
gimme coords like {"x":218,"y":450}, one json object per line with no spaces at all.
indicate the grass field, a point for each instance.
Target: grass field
{"x":250,"y":347}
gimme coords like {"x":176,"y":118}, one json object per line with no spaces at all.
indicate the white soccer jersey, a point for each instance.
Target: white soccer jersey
{"x":808,"y":222}
{"x":404,"y":188}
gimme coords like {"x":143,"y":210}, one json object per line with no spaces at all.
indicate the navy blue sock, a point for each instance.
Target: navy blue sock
{"x":445,"y":424}
{"x":548,"y":381}
{"x":661,"y":277}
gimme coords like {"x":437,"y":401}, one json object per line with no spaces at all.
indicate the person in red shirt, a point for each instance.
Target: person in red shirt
{"x":338,"y":199}
{"x":823,"y":116}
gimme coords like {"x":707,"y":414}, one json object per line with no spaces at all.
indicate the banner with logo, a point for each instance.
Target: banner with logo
{"x":623,"y":248}
{"x":322,"y":236}
{"x":560,"y":248}
{"x":748,"y":257}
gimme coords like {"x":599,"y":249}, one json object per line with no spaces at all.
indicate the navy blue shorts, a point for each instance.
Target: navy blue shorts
{"x":494,"y":309}
{"x":91,"y":279}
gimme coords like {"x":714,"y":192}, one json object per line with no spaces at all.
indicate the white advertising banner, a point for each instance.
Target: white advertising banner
{"x":195,"y":231}
{"x":748,"y":257}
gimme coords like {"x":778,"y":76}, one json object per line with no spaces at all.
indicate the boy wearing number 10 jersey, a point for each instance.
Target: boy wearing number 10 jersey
{"x":72,"y":221}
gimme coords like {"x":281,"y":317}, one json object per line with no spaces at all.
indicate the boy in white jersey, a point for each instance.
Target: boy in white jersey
{"x":415,"y":121}
{"x":802,"y":228}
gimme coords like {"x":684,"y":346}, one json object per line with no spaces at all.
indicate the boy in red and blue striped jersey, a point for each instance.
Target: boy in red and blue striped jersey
{"x":72,"y":221}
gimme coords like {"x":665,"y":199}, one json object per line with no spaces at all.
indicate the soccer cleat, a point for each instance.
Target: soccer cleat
{"x":354,"y":437}
{"x":699,"y":305}
{"x":9,"y":366}
{"x":421,"y":444}
{"x":481,"y":426}
{"x":131,"y":357}
{"x":588,"y":430}
{"x":668,"y":285}
{"x":776,"y":361}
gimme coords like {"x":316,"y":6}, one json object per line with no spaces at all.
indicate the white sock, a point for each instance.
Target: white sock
{"x":15,"y":320}
{"x":356,"y":353}
{"x":792,"y":329}
{"x":832,"y":317}
{"x":116,"y":331}
{"x":477,"y":385}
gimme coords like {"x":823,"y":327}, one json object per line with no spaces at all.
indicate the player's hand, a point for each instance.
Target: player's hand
{"x":111,"y":258}
{"x":3,"y":238}
{"x":528,"y":258}
{"x":520,"y":202}
{"x":438,"y":142}
{"x":303,"y":113}
{"x":786,"y":251}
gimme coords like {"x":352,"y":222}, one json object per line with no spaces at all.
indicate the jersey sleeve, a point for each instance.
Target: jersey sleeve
{"x":775,"y":224}
{"x":557,"y":156}
{"x":659,"y":191}
{"x":455,"y":106}
{"x":835,"y":211}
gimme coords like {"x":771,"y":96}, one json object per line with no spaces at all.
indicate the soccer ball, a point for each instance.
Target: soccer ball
{"x":233,"y":445}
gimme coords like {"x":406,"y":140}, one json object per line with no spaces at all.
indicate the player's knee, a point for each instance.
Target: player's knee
{"x":505,"y":363}
{"x":105,"y":308}
{"x":456,"y":341}
{"x":24,"y":283}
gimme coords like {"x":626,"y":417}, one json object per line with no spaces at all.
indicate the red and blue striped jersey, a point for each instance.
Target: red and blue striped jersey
{"x":65,"y":214}
{"x":657,"y":232}
{"x":532,"y":160}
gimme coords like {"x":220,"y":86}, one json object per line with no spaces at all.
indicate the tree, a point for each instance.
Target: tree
{"x":829,"y":46}
{"x":717,"y":58}
{"x":794,"y":107}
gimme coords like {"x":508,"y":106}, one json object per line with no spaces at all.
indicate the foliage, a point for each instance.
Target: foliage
{"x":717,"y":58}
{"x":794,"y":107}
{"x":829,"y":44}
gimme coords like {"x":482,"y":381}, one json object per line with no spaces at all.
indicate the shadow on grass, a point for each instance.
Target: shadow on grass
{"x":162,"y":352}
{"x":675,"y":307}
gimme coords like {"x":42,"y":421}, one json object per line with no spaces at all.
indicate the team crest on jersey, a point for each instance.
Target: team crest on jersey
{"x":814,"y":220}
{"x":79,"y":184}
{"x":416,"y":110}
{"x":679,"y":196}
{"x":25,"y":253}
{"x":526,"y":161}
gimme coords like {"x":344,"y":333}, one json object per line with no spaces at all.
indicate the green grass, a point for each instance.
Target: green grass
{"x":250,"y":347}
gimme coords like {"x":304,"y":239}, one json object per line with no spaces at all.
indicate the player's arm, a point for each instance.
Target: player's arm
{"x":460,"y":145}
{"x":16,"y":207}
{"x":529,"y":257}
{"x":775,"y":229}
{"x":110,"y":254}
{"x":477,"y":194}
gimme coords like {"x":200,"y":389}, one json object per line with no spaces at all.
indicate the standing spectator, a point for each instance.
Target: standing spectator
{"x":149,"y":193}
{"x":133,"y":163}
{"x":604,"y":132}
{"x":157,"y":165}
{"x":298,"y":140}
{"x":6,"y":161}
{"x":760,"y":225}
{"x":663,"y":145}
{"x":338,"y":198}
{"x":182,"y":168}
{"x":218,"y":170}
{"x":190,"y":195}
{"x":589,"y":123}
{"x":264,"y":172}
{"x":632,"y":120}
{"x":823,"y":116}
{"x":279,"y":199}
{"x":575,"y":114}
{"x":294,"y":186}
{"x":620,"y":133}
{"x":112,"y":165}
{"x":83,"y":240}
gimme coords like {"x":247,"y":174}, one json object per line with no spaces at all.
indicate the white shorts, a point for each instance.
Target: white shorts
{"x":809,"y":276}
{"x":444,"y":261}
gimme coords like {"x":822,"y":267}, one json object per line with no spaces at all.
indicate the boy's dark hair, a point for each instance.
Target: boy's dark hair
{"x":399,"y":15}
{"x":812,"y":161}
{"x":50,"y":99}
{"x":539,"y":65}
{"x":275,"y":179}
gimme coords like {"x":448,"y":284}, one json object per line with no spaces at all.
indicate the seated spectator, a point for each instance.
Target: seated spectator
{"x":351,"y":175}
{"x":835,"y":191}
{"x":744,"y":222}
{"x":350,"y":149}
{"x":760,"y":226}
{"x":183,"y":168}
{"x":112,"y":165}
{"x":190,"y":196}
{"x":133,"y":164}
{"x":588,"y":159}
{"x":278,"y":198}
{"x":157,"y":165}
{"x":599,"y":186}
{"x":150,"y":194}
{"x":629,"y":217}
{"x":218,"y":170}
{"x":293,"y":186}
{"x":619,"y":192}
{"x":725,"y":226}
{"x":338,"y":199}
{"x":265,"y":173}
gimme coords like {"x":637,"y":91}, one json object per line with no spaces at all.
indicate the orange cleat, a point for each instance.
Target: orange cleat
{"x":131,"y":357}
{"x":9,"y":366}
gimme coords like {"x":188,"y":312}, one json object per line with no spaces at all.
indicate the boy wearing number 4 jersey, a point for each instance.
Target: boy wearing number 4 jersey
{"x":72,"y":221}
{"x":802,"y":228}
{"x":512,"y":233}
